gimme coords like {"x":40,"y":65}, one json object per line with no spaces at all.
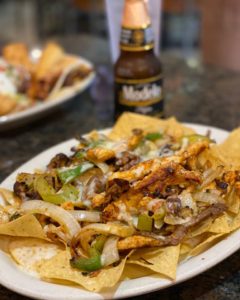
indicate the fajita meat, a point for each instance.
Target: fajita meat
{"x":145,"y":240}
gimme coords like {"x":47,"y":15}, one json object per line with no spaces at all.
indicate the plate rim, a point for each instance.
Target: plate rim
{"x":152,"y":285}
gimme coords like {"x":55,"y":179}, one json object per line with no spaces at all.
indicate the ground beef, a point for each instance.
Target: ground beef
{"x":126,"y":160}
{"x":58,"y":161}
{"x":24,"y":192}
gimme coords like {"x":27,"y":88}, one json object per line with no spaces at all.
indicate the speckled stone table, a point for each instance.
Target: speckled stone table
{"x":193,"y":92}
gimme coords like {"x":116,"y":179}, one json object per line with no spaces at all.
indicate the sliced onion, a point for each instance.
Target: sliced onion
{"x":118,"y":229}
{"x":209,"y":198}
{"x":86,"y":233}
{"x":57,"y":213}
{"x":50,"y":228}
{"x":210,"y":175}
{"x":103,"y":167}
{"x":87,"y":216}
{"x":173,"y":220}
{"x":187,"y":201}
{"x":110,"y":251}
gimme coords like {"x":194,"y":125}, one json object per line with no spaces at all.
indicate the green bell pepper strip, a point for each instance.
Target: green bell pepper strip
{"x":67,"y":175}
{"x":80,"y":154}
{"x":90,"y":264}
{"x":153,"y":136}
{"x":144,"y":223}
{"x":99,"y":242}
{"x":48,"y":194}
{"x":69,"y":192}
{"x":95,"y":144}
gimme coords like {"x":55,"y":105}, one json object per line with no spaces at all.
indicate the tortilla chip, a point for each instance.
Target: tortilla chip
{"x":25,"y":226}
{"x":233,"y":202}
{"x":199,"y":229}
{"x":5,"y":242}
{"x":229,"y":151}
{"x":28,"y":251}
{"x":220,"y":225}
{"x":176,"y":129}
{"x":129,"y":121}
{"x":206,"y":244}
{"x":164,"y":261}
{"x":235,"y":222}
{"x":184,"y":251}
{"x":9,"y":197}
{"x":192,"y":242}
{"x":59,"y":268}
{"x":132,"y":271}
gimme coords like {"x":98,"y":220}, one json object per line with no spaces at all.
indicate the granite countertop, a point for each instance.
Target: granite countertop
{"x":193,"y":93}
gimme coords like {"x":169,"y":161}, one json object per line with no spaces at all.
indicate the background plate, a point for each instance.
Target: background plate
{"x":14,"y":279}
{"x":38,"y":110}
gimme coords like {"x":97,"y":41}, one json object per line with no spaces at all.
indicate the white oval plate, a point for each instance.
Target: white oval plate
{"x":66,"y":94}
{"x":13,"y":278}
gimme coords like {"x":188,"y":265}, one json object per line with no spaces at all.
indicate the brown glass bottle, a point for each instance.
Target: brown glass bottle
{"x":138,"y":73}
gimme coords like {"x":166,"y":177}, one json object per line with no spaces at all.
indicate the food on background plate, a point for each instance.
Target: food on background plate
{"x":148,"y":195}
{"x":56,"y":69}
{"x":24,"y":83}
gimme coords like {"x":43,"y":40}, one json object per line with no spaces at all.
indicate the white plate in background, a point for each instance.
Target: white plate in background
{"x":65,"y":94}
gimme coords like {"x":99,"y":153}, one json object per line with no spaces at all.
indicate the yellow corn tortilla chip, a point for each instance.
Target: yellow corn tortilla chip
{"x":132,"y":271}
{"x":5,"y":242}
{"x":129,"y":121}
{"x":176,"y":129}
{"x":235,"y":222}
{"x":9,"y":197}
{"x":25,"y":226}
{"x":164,"y":261}
{"x":220,"y":225}
{"x":191,"y":243}
{"x":28,"y":251}
{"x":198,"y":230}
{"x":208,"y":155}
{"x":233,"y":202}
{"x":184,"y":251}
{"x":206,"y":244}
{"x":229,"y":151}
{"x":59,"y":268}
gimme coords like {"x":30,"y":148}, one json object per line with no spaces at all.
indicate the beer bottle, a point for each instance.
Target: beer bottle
{"x":138,"y":73}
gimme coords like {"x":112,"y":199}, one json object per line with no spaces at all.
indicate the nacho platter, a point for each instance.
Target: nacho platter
{"x":186,"y":268}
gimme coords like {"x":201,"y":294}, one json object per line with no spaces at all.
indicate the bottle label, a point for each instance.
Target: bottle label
{"x":139,"y":95}
{"x":137,"y":39}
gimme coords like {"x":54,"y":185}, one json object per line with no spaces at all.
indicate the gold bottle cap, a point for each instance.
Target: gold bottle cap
{"x":135,"y":14}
